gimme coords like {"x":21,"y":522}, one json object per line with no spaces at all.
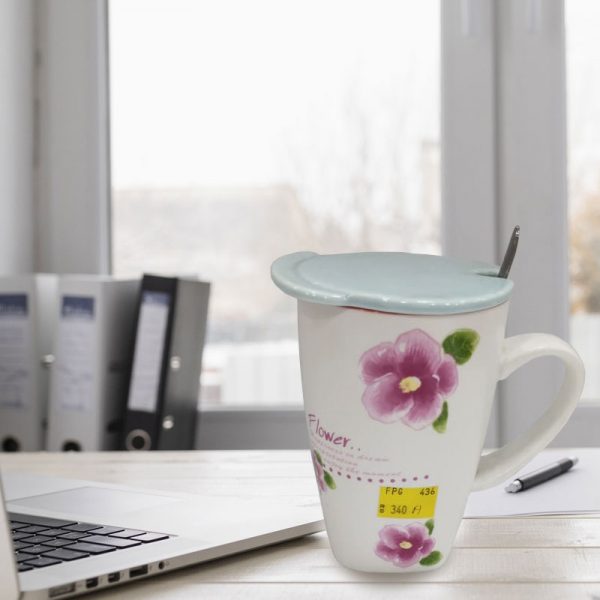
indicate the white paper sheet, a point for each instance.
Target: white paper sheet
{"x":574,"y":492}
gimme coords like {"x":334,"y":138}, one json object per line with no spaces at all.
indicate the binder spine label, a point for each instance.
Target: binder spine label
{"x":15,"y":376}
{"x":149,"y":349}
{"x":74,"y":367}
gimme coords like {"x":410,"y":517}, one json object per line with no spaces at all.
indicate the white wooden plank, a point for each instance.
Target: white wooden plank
{"x":529,"y":532}
{"x":522,"y":533}
{"x":183,"y":587}
{"x":311,"y":563}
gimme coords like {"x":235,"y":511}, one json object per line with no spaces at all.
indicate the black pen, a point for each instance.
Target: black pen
{"x":540,"y":475}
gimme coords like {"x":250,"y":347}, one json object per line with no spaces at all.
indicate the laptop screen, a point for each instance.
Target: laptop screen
{"x":8,"y":569}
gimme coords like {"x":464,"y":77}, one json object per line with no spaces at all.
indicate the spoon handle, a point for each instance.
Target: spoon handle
{"x":509,"y":255}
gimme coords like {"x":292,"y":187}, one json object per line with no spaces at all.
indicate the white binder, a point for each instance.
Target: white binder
{"x":27,"y":320}
{"x":92,"y":360}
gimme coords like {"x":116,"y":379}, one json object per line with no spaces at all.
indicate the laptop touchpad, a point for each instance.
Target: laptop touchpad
{"x":93,"y":501}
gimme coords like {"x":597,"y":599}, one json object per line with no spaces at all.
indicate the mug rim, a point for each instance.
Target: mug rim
{"x":405,"y":314}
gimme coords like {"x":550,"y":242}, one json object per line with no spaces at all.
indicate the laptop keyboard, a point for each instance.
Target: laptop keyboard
{"x":43,"y":542}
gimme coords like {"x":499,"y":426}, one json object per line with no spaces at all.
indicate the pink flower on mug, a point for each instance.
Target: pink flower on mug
{"x":406,"y":545}
{"x":408,"y":380}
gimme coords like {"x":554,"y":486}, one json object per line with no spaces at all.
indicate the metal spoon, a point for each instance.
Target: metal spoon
{"x":509,"y":255}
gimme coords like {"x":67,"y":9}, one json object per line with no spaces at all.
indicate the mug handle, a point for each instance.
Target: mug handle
{"x":516,"y":351}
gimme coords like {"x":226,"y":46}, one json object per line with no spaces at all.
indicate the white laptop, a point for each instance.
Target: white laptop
{"x":70,"y":536}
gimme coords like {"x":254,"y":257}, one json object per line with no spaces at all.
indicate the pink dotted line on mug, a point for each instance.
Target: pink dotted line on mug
{"x":370,"y":479}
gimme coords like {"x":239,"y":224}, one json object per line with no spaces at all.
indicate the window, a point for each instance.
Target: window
{"x":243,"y":131}
{"x":242,"y":87}
{"x":583,"y":89}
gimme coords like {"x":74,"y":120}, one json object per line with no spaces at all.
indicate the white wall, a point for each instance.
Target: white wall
{"x":16,"y":136}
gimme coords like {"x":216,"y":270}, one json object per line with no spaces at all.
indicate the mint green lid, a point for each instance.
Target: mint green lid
{"x":396,"y":282}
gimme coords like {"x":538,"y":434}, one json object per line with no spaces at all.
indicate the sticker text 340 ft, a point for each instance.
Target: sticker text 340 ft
{"x":407,"y":503}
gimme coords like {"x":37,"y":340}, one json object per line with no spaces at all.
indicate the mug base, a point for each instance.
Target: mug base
{"x":387,"y":567}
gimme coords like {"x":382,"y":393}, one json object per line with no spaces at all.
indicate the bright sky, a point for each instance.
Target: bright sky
{"x":583,"y":95}
{"x":212,"y":92}
{"x":217,"y":92}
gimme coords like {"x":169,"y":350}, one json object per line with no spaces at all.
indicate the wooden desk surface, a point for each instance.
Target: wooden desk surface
{"x":493,"y":558}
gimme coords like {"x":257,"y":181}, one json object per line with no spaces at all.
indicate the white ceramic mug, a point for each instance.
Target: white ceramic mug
{"x":397,"y":407}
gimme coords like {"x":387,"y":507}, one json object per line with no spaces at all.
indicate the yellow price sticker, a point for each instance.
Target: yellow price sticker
{"x":407,"y":503}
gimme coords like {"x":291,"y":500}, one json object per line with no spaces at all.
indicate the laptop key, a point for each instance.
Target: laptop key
{"x":58,"y":543}
{"x":82,"y":527}
{"x":127,"y":533}
{"x":43,"y":521}
{"x":106,"y":530}
{"x":20,"y":545}
{"x":90,"y":548}
{"x":64,"y":554}
{"x":22,"y":556}
{"x":112,"y":541}
{"x":42,"y":561}
{"x":19,"y":536}
{"x":14,"y":525}
{"x":38,"y":549}
{"x":54,"y":532}
{"x":36,"y":539}
{"x":73,"y":535}
{"x":23,"y":567}
{"x":33,"y":529}
{"x":151,"y":537}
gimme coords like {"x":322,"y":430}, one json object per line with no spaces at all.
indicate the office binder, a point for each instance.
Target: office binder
{"x":92,"y":360}
{"x":27,"y":320}
{"x":165,"y":378}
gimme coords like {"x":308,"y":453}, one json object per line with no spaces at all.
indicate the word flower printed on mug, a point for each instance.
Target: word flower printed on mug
{"x":406,"y":545}
{"x":410,"y":379}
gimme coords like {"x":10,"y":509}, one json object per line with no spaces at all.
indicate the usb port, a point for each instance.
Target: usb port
{"x":114,"y":577}
{"x":137,"y":571}
{"x":91,"y":583}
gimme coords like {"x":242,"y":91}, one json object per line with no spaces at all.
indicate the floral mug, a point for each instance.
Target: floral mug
{"x":400,"y":355}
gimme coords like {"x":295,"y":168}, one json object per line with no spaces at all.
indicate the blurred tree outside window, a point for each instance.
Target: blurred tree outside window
{"x":244,"y":131}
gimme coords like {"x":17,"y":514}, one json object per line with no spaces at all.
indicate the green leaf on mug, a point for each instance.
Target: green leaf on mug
{"x":461,"y":344}
{"x":329,"y":480}
{"x":319,"y":459}
{"x":431,"y":559}
{"x":440,"y":423}
{"x":429,"y":525}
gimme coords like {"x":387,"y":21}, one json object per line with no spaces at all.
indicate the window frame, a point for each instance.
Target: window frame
{"x":484,"y":111}
{"x":73,"y":141}
{"x":17,"y":131}
{"x":468,"y":133}
{"x":523,"y":45}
